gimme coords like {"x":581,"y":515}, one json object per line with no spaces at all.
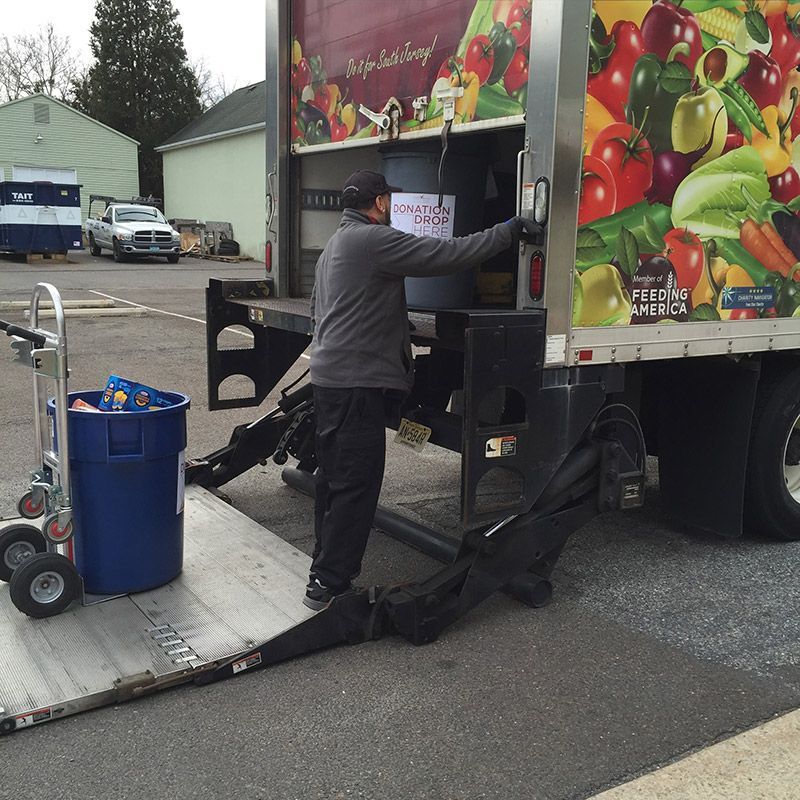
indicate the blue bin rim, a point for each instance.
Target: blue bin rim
{"x":181,"y":402}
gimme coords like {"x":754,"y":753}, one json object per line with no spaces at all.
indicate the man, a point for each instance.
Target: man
{"x":361,"y":364}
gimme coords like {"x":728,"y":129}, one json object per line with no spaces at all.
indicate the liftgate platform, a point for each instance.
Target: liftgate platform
{"x":241,"y":585}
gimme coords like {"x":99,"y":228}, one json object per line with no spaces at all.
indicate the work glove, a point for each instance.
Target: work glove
{"x":527,"y":230}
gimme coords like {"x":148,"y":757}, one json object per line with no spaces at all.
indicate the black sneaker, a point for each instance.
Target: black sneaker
{"x":319,"y":596}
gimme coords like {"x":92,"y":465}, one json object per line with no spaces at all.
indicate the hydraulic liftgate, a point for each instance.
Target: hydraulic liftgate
{"x":237,"y":604}
{"x":570,"y":455}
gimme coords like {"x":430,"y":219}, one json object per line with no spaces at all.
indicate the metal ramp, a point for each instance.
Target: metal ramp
{"x":241,"y":586}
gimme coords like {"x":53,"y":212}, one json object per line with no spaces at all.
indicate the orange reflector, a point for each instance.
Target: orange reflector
{"x":536,"y":288}
{"x":268,"y":257}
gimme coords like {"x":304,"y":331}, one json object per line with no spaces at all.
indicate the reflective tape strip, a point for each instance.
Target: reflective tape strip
{"x":40,"y":215}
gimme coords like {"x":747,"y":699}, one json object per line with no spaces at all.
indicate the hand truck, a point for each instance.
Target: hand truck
{"x":39,"y":564}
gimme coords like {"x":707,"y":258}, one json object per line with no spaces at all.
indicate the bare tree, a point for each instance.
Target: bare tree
{"x":37,"y":62}
{"x":213,"y":88}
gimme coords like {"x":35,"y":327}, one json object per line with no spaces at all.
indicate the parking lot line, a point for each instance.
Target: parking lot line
{"x":159,"y":311}
{"x":171,"y":314}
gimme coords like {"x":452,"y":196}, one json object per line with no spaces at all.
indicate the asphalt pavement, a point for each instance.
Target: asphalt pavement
{"x":657,"y":643}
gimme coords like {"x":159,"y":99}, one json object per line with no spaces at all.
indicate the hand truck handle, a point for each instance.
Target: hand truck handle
{"x":24,"y":333}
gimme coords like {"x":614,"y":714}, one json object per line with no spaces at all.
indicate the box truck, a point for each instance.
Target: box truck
{"x":654,"y":142}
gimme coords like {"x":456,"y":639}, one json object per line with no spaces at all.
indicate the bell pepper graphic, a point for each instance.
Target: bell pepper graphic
{"x":776,"y":147}
{"x":466,"y":104}
{"x":603,"y":297}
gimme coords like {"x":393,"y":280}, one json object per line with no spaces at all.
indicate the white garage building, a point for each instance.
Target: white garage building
{"x":215,"y":168}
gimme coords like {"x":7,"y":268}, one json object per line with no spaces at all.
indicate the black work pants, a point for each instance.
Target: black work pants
{"x":351,"y":453}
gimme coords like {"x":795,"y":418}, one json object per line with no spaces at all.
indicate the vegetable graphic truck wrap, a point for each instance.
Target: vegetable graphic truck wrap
{"x":356,"y":53}
{"x":690,"y":188}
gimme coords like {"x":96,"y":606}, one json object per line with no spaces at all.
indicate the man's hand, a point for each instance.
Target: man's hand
{"x":527,"y":230}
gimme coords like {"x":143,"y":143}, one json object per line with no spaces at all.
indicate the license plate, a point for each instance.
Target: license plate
{"x":412,"y":434}
{"x":154,"y":248}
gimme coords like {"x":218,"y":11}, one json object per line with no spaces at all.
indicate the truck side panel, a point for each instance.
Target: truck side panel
{"x":684,"y":198}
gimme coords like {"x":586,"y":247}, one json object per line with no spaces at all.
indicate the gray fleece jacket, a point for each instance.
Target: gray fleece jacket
{"x":358,"y":307}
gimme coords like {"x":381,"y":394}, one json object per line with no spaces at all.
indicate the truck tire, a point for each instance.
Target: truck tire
{"x":119,"y":256}
{"x":93,"y":248}
{"x":772,"y":499}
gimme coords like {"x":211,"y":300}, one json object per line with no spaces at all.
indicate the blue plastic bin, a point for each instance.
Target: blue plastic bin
{"x":127,"y":494}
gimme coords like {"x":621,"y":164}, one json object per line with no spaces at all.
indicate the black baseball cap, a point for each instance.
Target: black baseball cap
{"x":363,"y":186}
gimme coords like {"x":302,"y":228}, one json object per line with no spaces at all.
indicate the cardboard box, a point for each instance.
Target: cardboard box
{"x":122,"y":394}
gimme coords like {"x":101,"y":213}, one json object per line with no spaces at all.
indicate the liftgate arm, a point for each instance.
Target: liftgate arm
{"x":288,"y":430}
{"x":488,"y":560}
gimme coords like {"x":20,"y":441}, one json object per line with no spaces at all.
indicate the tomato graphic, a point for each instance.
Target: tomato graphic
{"x":520,"y":13}
{"x":480,"y":58}
{"x":628,"y":155}
{"x":685,"y":250}
{"x":517,"y":72}
{"x":598,"y":192}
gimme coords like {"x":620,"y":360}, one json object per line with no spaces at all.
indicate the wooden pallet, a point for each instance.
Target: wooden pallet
{"x":210,"y":257}
{"x":36,"y":258}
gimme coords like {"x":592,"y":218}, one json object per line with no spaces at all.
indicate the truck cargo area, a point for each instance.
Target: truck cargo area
{"x":240,"y":585}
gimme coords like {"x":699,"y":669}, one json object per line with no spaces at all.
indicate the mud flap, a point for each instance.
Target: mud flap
{"x":705,"y":411}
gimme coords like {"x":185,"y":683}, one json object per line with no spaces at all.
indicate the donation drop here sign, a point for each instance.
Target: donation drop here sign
{"x":422,"y":215}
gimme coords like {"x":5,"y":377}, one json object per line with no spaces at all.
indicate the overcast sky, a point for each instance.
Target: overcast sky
{"x":228,"y":37}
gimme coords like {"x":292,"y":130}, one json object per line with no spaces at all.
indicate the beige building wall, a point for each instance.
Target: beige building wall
{"x":222,"y":180}
{"x":40,"y":132}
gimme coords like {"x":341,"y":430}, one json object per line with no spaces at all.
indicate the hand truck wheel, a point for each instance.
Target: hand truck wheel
{"x":18,"y":543}
{"x":28,"y":508}
{"x":45,"y":585}
{"x":55,"y":534}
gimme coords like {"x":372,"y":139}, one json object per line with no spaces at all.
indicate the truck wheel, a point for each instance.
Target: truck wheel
{"x":173,"y":259}
{"x":93,"y":248}
{"x":45,"y":585}
{"x":772,"y":499}
{"x":18,"y":543}
{"x":119,"y":256}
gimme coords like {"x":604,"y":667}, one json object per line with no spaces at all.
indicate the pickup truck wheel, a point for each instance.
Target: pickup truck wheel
{"x":772,"y":499}
{"x":119,"y":256}
{"x":93,"y":248}
{"x":173,"y":259}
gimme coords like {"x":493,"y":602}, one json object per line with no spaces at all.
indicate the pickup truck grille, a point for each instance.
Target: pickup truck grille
{"x":156,"y":237}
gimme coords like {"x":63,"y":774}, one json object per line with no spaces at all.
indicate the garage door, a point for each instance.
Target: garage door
{"x":52,"y":174}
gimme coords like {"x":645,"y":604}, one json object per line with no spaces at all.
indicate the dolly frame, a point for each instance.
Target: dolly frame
{"x":48,"y":357}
